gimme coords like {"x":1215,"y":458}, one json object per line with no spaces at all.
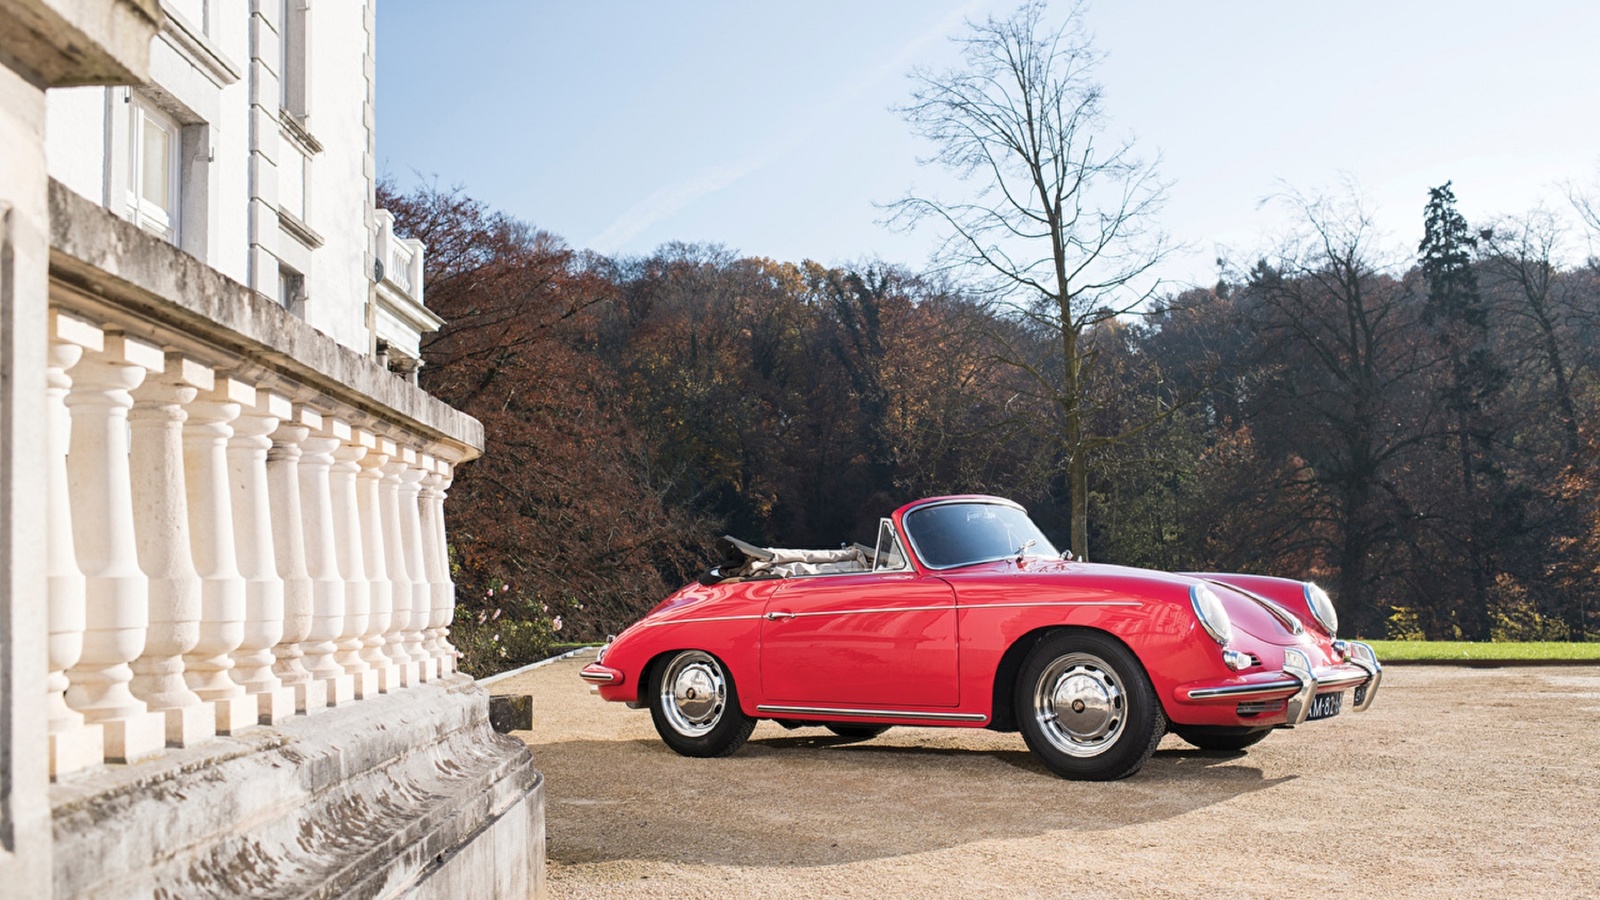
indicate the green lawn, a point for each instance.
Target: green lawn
{"x":1467,"y":651}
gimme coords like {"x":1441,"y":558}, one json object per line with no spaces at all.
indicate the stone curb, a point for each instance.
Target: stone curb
{"x":486,"y":682}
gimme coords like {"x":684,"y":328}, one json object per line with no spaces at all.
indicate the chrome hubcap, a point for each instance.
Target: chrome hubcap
{"x":693,"y":693}
{"x":1080,"y":704}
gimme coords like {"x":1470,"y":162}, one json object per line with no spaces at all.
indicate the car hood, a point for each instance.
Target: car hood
{"x":1249,"y":614}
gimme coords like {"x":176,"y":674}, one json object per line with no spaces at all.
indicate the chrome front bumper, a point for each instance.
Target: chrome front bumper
{"x":1300,"y":682}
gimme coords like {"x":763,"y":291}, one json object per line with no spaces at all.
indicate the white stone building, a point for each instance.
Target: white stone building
{"x":226,"y":599}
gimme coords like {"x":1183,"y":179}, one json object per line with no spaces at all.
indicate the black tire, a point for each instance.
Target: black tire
{"x":695,"y":706}
{"x":858,"y":732}
{"x":1113,"y":720}
{"x":1222,"y":738}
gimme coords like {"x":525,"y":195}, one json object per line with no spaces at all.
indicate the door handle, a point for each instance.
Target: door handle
{"x":775,"y":616}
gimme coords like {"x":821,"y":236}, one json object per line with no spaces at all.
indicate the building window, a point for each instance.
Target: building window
{"x":293,"y":60}
{"x":292,"y":291}
{"x":154,"y":170}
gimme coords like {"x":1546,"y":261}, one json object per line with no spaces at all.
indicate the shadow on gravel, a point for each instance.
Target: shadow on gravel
{"x":818,"y":800}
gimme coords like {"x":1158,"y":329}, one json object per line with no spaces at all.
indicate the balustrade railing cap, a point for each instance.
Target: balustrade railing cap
{"x":272,"y":404}
{"x":180,"y":369}
{"x":73,"y":330}
{"x":110,"y":272}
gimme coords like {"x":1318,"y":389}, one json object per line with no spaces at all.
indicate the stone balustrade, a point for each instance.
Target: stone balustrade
{"x":236,"y":536}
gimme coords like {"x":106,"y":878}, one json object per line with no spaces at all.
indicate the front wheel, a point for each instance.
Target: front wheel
{"x":695,"y":706}
{"x":1086,"y":708}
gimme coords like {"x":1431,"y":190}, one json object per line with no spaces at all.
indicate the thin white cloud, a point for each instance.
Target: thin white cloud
{"x":669,"y":200}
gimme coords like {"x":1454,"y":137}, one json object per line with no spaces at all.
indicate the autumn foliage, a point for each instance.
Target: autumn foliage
{"x":1327,"y":415}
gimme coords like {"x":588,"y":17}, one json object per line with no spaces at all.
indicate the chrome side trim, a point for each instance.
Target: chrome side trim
{"x":1044,"y":603}
{"x":657,"y":624}
{"x":871,"y":713}
{"x":1298,"y":664}
{"x":946,"y":607}
{"x":785,"y":614}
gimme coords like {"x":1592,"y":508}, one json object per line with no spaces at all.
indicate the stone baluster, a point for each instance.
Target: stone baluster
{"x":416,"y":565}
{"x":322,"y":565}
{"x":115,"y":590}
{"x":394,"y":547}
{"x":161,"y":533}
{"x":209,"y":665}
{"x":447,"y":612}
{"x":352,"y":565}
{"x":289,"y":548}
{"x":74,"y":743}
{"x":369,"y":504}
{"x":252,"y":532}
{"x":443,"y":589}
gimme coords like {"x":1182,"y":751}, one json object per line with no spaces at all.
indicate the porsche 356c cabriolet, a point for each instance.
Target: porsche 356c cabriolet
{"x":964,"y":615}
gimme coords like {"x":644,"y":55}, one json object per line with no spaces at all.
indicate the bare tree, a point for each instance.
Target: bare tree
{"x":1059,"y":229}
{"x":1517,"y":258}
{"x":1341,"y":377}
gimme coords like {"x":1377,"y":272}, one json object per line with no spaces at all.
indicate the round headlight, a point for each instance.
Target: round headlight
{"x":1322,"y":608}
{"x":1212,"y":614}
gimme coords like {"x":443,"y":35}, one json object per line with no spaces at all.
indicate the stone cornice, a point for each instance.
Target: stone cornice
{"x":104,"y":267}
{"x":61,"y":43}
{"x":192,"y":44}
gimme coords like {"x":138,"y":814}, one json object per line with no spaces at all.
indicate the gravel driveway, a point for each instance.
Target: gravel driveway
{"x":1459,"y":782}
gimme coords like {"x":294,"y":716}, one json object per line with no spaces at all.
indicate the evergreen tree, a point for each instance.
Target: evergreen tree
{"x":1460,"y":322}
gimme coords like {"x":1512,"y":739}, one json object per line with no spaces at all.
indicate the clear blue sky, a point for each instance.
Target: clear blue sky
{"x":763,"y":126}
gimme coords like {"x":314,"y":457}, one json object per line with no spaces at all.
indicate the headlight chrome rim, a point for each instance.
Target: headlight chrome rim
{"x":1212,"y":614}
{"x":1321,"y":606}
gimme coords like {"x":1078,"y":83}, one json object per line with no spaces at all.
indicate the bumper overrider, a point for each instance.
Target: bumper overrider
{"x":597,"y":674}
{"x":1299,"y":683}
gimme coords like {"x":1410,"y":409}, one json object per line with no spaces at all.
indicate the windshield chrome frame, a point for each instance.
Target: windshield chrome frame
{"x":922,"y":560}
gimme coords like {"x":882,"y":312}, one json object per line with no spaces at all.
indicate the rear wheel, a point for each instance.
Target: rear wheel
{"x":859,"y":732}
{"x":695,"y":706}
{"x":1085,"y":707}
{"x":1222,"y":738}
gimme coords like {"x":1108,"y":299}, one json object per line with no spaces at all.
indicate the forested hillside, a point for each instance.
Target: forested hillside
{"x":1416,"y":431}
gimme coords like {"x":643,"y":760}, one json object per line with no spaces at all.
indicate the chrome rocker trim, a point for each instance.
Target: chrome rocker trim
{"x":870,"y":713}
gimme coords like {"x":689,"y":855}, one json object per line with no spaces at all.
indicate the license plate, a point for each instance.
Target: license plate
{"x":1326,"y":706}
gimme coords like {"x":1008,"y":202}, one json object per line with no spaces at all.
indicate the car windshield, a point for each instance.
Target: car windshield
{"x":946,"y":535}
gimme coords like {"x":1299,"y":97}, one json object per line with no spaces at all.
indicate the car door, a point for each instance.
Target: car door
{"x":879,"y":639}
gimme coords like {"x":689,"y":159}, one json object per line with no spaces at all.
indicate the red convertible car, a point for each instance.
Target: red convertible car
{"x":964,"y":615}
